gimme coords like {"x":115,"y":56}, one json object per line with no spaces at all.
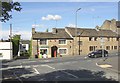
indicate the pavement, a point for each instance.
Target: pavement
{"x":111,"y":63}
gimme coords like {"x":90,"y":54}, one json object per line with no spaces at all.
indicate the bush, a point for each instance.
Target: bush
{"x":24,"y":54}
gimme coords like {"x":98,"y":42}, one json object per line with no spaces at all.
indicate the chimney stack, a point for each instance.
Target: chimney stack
{"x":54,"y":30}
{"x":33,"y":30}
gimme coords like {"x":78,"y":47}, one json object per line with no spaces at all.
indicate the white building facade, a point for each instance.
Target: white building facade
{"x":6,"y":51}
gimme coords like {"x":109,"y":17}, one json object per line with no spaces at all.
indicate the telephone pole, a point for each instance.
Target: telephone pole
{"x":10,"y":39}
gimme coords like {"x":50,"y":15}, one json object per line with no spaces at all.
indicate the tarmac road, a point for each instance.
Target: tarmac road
{"x":74,"y":68}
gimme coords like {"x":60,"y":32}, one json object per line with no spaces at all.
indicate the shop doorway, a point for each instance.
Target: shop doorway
{"x":54,"y":51}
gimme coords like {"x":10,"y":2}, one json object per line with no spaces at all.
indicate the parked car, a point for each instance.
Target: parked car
{"x":98,"y":53}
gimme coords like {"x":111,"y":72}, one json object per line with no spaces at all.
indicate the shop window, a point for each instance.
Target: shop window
{"x":63,"y":51}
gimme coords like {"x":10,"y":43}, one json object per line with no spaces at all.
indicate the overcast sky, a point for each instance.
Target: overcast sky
{"x":47,"y":15}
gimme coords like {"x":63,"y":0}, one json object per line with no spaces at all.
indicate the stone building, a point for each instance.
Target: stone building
{"x":52,"y":43}
{"x":77,"y":41}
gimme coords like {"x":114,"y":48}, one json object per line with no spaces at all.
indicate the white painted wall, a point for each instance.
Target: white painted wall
{"x":5,"y":50}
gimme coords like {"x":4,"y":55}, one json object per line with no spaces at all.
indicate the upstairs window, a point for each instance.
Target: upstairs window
{"x":90,"y":38}
{"x":62,"y":41}
{"x":117,"y":39}
{"x":43,"y":42}
{"x":108,"y":38}
{"x":95,"y":38}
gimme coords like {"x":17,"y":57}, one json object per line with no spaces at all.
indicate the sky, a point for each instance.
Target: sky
{"x":48,"y":15}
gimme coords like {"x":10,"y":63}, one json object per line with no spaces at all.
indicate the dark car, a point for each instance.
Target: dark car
{"x":98,"y":53}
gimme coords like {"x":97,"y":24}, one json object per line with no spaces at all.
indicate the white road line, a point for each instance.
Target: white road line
{"x":70,"y":74}
{"x":17,"y":77}
{"x":10,"y":68}
{"x":21,"y":65}
{"x":36,"y":71}
{"x":29,"y":62}
{"x":48,"y":66}
{"x":97,"y":64}
{"x":14,"y":67}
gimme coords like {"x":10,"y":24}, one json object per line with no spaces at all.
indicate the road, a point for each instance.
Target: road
{"x":74,"y":68}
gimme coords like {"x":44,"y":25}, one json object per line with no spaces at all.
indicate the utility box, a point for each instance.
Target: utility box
{"x":6,"y":51}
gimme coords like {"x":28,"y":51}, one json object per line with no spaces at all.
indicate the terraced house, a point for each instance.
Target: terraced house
{"x":77,"y":41}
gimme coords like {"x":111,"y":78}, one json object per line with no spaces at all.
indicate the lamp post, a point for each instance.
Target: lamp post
{"x":79,"y":43}
{"x":76,"y":25}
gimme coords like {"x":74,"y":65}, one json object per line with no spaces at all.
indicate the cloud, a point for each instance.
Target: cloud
{"x":35,"y":25}
{"x":92,"y":9}
{"x":26,"y":35}
{"x":52,"y":17}
{"x":71,"y":25}
{"x":39,"y":26}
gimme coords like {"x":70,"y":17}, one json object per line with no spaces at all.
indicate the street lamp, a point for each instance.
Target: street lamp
{"x":79,"y":42}
{"x":76,"y":25}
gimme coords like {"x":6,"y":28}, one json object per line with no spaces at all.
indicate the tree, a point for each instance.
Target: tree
{"x":6,"y":8}
{"x":47,"y":30}
{"x":30,"y":48}
{"x":15,"y":42}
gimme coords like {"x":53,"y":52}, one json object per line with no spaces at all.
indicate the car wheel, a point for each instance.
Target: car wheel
{"x":95,"y":56}
{"x":106,"y":55}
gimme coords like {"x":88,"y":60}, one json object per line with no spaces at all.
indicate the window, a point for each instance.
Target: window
{"x":115,"y":47}
{"x":62,"y":41}
{"x":95,"y":39}
{"x":92,"y":48}
{"x":108,"y":39}
{"x":1,"y":55}
{"x":43,"y":41}
{"x":112,"y":47}
{"x":24,"y":46}
{"x":117,"y":39}
{"x":43,"y":51}
{"x":90,"y":38}
{"x":63,"y":51}
{"x":107,"y":47}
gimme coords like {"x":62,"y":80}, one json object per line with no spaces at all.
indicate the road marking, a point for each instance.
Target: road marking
{"x":69,"y":74}
{"x":36,"y":71}
{"x":15,"y":67}
{"x":86,"y":57}
{"x":17,"y":77}
{"x":35,"y":65}
{"x":10,"y":68}
{"x":29,"y":62}
{"x":47,"y":66}
{"x":109,"y":68}
{"x":27,"y":75}
{"x":21,"y":65}
{"x":104,"y":65}
{"x":57,"y":76}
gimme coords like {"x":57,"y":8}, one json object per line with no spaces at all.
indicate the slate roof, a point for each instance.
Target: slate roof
{"x":25,"y":41}
{"x":84,"y":32}
{"x":61,"y":34}
{"x":91,"y":32}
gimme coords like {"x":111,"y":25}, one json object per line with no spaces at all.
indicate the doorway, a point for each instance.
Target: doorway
{"x":54,"y":51}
